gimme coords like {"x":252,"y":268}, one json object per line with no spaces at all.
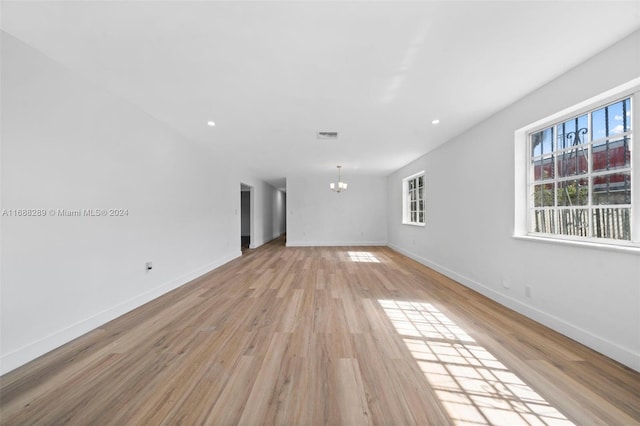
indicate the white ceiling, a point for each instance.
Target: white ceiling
{"x":272,"y":74}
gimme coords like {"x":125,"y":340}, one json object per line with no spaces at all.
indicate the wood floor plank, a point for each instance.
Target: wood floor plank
{"x":321,"y":335}
{"x":264,"y":394}
{"x":352,"y":403}
{"x":229,"y":406}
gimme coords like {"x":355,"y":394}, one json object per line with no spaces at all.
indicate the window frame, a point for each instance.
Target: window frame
{"x":524,"y":171}
{"x":406,"y":206}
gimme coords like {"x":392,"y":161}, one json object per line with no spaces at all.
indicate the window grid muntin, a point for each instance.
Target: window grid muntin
{"x":625,"y":138}
{"x":414,"y":204}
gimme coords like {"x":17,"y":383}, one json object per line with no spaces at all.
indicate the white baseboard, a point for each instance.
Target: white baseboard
{"x":40,"y":347}
{"x":335,"y":244}
{"x":613,"y":350}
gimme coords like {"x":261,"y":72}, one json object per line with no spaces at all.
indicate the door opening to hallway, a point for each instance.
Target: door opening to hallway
{"x":246,"y":195}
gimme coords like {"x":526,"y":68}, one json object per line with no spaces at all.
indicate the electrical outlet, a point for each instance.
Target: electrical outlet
{"x":506,"y":283}
{"x":527,"y":291}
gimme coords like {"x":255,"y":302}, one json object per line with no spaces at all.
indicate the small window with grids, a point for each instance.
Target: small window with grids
{"x":580,"y":175}
{"x":413,"y":196}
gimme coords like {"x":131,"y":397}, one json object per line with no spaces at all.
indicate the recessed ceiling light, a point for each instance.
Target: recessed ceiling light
{"x":436,"y":121}
{"x":211,"y":123}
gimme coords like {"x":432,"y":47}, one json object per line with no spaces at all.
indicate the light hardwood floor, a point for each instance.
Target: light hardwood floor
{"x":321,"y":336}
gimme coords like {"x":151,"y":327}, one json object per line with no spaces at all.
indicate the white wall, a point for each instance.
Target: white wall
{"x":317,"y":216}
{"x":69,"y":145}
{"x":591,"y":295}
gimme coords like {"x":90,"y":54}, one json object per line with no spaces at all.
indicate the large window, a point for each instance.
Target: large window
{"x":581,"y":180}
{"x":413,"y":199}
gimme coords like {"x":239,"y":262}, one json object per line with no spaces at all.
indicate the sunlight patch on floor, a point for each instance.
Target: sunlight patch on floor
{"x":473,"y":386}
{"x":362,"y":256}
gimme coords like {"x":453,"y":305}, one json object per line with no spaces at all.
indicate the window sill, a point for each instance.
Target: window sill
{"x":629,"y":249}
{"x":414,"y":224}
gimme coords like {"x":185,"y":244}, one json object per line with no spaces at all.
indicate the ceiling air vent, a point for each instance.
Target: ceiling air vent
{"x":327,"y":135}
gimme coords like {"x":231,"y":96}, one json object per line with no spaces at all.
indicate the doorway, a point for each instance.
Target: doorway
{"x":246,"y":201}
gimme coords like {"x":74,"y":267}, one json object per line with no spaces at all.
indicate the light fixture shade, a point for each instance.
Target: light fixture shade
{"x":339,"y":186}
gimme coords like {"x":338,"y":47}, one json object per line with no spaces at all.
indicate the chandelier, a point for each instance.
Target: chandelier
{"x":339,"y":186}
